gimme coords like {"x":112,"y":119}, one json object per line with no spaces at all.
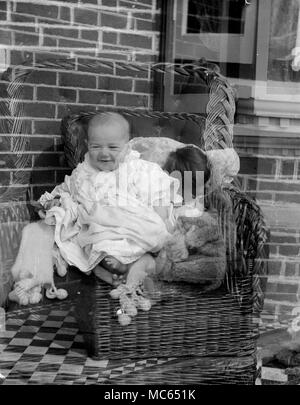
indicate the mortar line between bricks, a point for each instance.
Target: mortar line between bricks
{"x":29,"y":101}
{"x":104,"y":76}
{"x":68,"y":24}
{"x":146,"y":33}
{"x":33,"y":169}
{"x":93,"y":7}
{"x":25,"y":152}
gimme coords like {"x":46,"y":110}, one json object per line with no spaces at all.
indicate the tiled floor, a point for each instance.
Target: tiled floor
{"x":42,"y":345}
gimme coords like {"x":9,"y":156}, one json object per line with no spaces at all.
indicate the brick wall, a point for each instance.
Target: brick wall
{"x":270,"y":172}
{"x":79,"y":34}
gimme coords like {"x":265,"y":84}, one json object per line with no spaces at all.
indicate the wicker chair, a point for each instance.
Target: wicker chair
{"x":214,"y":334}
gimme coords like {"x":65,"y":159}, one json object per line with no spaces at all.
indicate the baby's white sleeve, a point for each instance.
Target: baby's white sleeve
{"x":59,"y":190}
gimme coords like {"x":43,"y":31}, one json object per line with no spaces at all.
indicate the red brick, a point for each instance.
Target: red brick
{"x":42,"y":77}
{"x":89,"y":1}
{"x":85,"y":16}
{"x":261,"y":195}
{"x":109,"y":37}
{"x":56,"y":94}
{"x":136,"y":41}
{"x":287,"y":168}
{"x":77,"y":80}
{"x":284,"y":238}
{"x":282,"y":297}
{"x":132,"y":4}
{"x":22,"y":18}
{"x":144,"y":16}
{"x":148,"y":3}
{"x":95,"y":97}
{"x":46,"y":160}
{"x":42,"y":177}
{"x":5,"y":37}
{"x":37,"y":143}
{"x":254,"y":165}
{"x":44,"y":110}
{"x":47,"y":56}
{"x":38,"y":10}
{"x":143,"y":86}
{"x":113,"y":20}
{"x":20,"y":29}
{"x":288,"y":198}
{"x":131,"y":100}
{"x":274,"y":267}
{"x":287,"y":288}
{"x":146,"y":58}
{"x":4,"y":177}
{"x":50,"y":41}
{"x":114,"y":83}
{"x":291,"y":269}
{"x":91,"y":35}
{"x":146,"y":25}
{"x":47,"y":127}
{"x":279,"y":186}
{"x":62,"y":32}
{"x":289,"y":250}
{"x":66,"y":43}
{"x":271,"y":287}
{"x":109,"y":3}
{"x":117,"y":57}
{"x":26,"y":39}
{"x":64,"y":14}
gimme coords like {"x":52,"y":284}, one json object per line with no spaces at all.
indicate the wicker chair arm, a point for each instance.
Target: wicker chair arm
{"x":245,"y":233}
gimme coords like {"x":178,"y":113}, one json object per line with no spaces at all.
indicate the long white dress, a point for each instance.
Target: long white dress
{"x":111,"y":212}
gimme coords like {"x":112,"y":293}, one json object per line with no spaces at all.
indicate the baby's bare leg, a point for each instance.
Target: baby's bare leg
{"x":113,"y":265}
{"x":107,"y":276}
{"x":140,"y":269}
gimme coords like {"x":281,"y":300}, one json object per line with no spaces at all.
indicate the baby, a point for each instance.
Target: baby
{"x":114,"y":209}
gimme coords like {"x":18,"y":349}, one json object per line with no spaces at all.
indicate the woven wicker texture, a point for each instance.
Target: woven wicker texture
{"x":183,"y":322}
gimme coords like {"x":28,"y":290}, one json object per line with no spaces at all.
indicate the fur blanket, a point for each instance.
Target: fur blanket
{"x":33,"y":267}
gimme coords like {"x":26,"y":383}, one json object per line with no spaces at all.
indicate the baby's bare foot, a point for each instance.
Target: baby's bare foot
{"x":113,"y":265}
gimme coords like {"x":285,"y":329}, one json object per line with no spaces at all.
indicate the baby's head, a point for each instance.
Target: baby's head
{"x":188,"y":159}
{"x":108,"y":136}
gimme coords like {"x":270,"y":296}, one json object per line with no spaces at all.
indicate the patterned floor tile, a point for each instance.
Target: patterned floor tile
{"x":44,"y":346}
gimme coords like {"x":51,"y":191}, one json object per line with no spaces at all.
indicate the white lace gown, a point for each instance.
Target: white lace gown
{"x":111,"y":212}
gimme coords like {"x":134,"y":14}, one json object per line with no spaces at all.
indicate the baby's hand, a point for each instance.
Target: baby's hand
{"x":52,"y":203}
{"x":170,"y":226}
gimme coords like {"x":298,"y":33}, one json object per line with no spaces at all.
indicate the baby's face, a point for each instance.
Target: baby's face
{"x":107,"y":145}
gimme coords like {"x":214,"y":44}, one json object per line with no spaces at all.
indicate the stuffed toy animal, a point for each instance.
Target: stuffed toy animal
{"x":195,"y":253}
{"x":33,"y":267}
